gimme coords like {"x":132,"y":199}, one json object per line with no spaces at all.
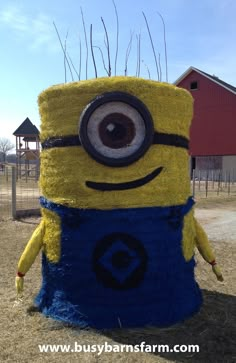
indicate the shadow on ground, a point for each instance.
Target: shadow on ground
{"x":213,"y":329}
{"x":34,"y":221}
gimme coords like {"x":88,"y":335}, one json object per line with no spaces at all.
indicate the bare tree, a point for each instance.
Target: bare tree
{"x":5,"y":146}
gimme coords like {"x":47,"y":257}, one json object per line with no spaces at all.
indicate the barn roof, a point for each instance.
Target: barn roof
{"x":26,"y":128}
{"x":213,"y":78}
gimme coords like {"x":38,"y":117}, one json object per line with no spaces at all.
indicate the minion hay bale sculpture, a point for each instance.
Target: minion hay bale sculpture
{"x":118,"y":230}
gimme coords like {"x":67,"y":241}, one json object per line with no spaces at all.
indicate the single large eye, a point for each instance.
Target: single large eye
{"x":116,"y":129}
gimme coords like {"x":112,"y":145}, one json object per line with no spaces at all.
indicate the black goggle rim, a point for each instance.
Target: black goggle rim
{"x":107,"y":98}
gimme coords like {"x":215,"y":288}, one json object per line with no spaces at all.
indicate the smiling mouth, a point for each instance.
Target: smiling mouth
{"x":124,"y":186}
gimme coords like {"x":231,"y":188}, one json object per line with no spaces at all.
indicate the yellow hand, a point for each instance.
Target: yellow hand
{"x":205,"y":249}
{"x":19,"y":283}
{"x":28,"y":256}
{"x":217,"y":272}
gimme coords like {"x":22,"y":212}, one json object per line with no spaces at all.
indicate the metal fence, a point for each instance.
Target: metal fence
{"x":17,"y":197}
{"x":207,"y":183}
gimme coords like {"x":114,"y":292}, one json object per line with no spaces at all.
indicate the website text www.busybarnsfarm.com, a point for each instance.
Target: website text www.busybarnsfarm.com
{"x":117,"y":348}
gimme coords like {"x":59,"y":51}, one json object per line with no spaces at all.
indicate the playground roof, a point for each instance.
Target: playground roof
{"x":26,"y":128}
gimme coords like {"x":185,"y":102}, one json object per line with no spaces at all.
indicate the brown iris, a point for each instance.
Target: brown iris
{"x":116,"y":131}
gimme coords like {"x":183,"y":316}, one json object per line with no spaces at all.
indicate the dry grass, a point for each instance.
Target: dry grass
{"x":22,"y":329}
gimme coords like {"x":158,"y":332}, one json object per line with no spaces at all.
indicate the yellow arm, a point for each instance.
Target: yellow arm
{"x":28,"y":256}
{"x":205,"y":249}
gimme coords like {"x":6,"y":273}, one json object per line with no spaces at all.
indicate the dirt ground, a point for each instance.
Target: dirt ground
{"x":218,"y":218}
{"x":213,"y":328}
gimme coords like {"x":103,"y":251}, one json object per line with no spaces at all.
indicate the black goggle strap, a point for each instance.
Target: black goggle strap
{"x":63,"y":141}
{"x":158,"y":138}
{"x":170,"y":139}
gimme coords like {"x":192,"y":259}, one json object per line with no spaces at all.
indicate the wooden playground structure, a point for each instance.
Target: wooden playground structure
{"x":27,"y":151}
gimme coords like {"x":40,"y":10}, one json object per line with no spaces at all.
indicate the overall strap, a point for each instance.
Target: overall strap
{"x":188,"y":206}
{"x":59,"y":209}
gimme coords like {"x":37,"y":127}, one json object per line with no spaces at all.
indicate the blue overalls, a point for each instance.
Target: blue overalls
{"x":120,"y":268}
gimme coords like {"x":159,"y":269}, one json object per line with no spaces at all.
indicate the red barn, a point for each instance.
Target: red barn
{"x":213,"y":130}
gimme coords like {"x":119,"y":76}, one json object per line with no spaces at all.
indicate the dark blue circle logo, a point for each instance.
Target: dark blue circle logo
{"x":120,"y":261}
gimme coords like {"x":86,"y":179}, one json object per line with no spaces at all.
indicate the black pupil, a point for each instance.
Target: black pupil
{"x":116,"y":131}
{"x":121,"y":259}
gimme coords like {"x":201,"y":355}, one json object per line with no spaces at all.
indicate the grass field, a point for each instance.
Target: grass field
{"x":213,"y":329}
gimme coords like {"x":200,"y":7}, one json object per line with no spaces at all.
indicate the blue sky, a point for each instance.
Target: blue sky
{"x":199,"y":33}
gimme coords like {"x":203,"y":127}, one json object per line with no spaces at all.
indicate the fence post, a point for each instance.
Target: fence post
{"x":229,"y":180}
{"x":193,"y":181}
{"x":13,"y":192}
{"x":206,"y":183}
{"x":225,"y":178}
{"x":218,"y":188}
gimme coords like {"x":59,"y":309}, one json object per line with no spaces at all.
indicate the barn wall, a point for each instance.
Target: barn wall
{"x":225,"y":164}
{"x":213,"y":128}
{"x":209,"y":162}
{"x":229,"y":163}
